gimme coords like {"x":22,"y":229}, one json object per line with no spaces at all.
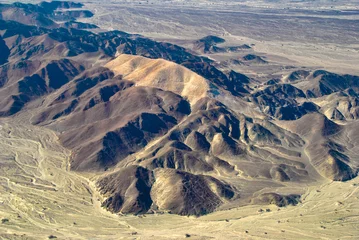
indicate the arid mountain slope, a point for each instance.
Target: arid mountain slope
{"x":326,"y":146}
{"x":41,"y":198}
{"x":209,"y":44}
{"x":160,"y":128}
{"x":5,"y":52}
{"x":160,"y":74}
{"x":44,"y":14}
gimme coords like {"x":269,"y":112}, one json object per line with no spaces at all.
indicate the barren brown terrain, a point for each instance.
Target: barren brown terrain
{"x":179,"y":119}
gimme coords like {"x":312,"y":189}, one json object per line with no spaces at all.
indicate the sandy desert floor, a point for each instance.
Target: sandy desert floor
{"x":40,"y":199}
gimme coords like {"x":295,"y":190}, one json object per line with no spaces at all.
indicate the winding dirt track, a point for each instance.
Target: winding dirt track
{"x":40,"y":197}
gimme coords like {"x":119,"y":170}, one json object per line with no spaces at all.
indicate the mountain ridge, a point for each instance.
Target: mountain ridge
{"x":161,"y":128}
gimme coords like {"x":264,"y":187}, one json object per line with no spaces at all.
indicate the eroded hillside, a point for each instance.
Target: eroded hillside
{"x":151,"y":127}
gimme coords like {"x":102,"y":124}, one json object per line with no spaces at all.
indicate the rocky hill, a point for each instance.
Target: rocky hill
{"x":164,"y":129}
